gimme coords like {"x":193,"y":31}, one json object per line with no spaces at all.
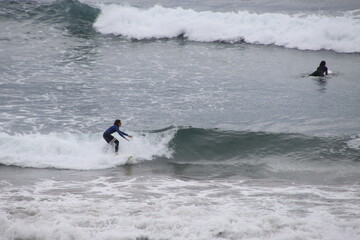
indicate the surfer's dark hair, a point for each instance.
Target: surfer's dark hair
{"x":117,"y":121}
{"x":323,"y":63}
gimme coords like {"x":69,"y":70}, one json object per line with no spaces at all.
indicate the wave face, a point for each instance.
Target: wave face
{"x":75,"y":17}
{"x":192,"y":152}
{"x":304,"y":32}
{"x":217,"y":145}
{"x":211,"y":152}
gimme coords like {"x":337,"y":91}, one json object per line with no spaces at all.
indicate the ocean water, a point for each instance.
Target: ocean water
{"x":232,"y":138}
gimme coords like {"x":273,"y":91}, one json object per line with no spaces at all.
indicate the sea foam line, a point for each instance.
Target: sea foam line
{"x":304,"y":32}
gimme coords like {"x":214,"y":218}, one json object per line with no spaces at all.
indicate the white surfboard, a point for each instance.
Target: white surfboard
{"x":130,"y":160}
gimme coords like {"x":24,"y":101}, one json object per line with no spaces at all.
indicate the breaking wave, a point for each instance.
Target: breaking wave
{"x":176,"y":145}
{"x":304,"y":32}
{"x":300,"y":31}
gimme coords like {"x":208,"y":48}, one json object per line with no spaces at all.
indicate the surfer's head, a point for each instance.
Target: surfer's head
{"x":117,"y":122}
{"x":322,"y":64}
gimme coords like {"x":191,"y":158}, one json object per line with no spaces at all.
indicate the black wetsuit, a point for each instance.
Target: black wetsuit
{"x":320,"y":72}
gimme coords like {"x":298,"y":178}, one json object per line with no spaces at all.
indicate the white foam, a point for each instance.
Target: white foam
{"x":305,"y":32}
{"x":354,"y":143}
{"x":168,"y":208}
{"x":79,"y":151}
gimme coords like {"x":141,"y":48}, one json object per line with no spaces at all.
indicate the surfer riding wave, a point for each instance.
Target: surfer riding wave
{"x":111,"y":139}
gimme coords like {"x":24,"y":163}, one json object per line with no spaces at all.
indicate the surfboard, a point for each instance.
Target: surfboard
{"x":125,"y":160}
{"x":129,"y":160}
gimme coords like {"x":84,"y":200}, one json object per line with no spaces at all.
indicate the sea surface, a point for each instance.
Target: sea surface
{"x":232,"y":140}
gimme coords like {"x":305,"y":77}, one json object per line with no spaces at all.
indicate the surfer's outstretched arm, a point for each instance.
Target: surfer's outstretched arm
{"x":122,"y":134}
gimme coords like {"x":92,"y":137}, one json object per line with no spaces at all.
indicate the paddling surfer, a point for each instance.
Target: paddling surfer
{"x":321,"y":71}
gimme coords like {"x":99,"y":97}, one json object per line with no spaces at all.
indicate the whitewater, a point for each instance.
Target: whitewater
{"x":80,"y":152}
{"x":231,"y":137}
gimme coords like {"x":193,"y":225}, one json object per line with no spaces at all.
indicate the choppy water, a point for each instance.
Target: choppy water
{"x":232,"y":139}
